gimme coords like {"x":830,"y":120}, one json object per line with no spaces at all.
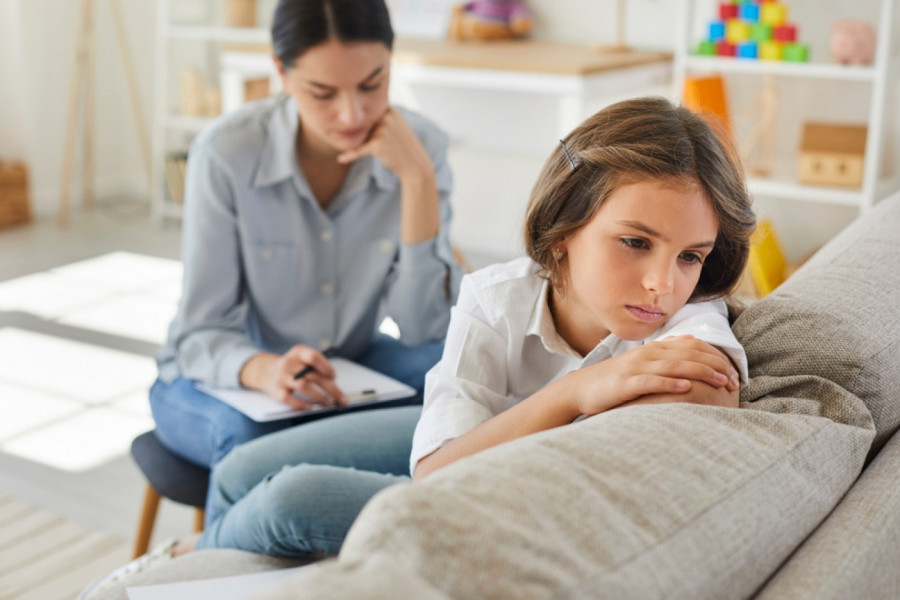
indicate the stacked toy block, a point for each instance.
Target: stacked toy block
{"x":755,"y":29}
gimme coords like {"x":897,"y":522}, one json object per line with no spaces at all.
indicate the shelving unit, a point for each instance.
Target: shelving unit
{"x":884,"y":72}
{"x":167,"y":123}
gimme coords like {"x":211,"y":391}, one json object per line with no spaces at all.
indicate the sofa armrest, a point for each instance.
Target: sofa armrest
{"x":854,"y":553}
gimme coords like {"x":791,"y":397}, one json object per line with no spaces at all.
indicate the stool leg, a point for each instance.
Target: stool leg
{"x":148,"y":519}
{"x":199,"y":517}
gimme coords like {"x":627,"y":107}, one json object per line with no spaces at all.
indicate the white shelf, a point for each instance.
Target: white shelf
{"x":789,"y":69}
{"x":790,"y":190}
{"x":879,"y":77}
{"x":237,"y":35}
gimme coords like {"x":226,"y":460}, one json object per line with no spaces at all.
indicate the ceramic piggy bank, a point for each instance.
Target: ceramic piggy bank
{"x":852,"y":42}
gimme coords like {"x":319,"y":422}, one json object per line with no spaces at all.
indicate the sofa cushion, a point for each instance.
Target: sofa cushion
{"x":680,"y":501}
{"x":829,"y":337}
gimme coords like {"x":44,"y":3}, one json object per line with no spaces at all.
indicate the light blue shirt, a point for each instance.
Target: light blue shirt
{"x":265,"y":267}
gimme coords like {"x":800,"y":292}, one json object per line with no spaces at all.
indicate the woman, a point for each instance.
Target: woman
{"x":308,"y":217}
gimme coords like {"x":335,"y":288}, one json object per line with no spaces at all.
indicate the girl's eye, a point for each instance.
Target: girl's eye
{"x":370,"y":87}
{"x":692,"y":258}
{"x":325,"y":96}
{"x":636,"y":243}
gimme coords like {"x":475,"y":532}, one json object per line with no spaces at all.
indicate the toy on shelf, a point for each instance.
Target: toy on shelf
{"x":832,"y":154}
{"x":852,"y":42}
{"x":705,"y":95}
{"x":754,"y":29}
{"x":491,"y":20}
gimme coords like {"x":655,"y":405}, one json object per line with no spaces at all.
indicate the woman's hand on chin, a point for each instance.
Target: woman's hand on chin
{"x":394,"y":143}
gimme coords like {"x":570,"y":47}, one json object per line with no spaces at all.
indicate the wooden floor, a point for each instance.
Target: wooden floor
{"x":45,"y":557}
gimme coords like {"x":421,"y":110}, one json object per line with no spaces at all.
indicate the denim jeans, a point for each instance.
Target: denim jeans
{"x":296,"y":492}
{"x":203,"y":429}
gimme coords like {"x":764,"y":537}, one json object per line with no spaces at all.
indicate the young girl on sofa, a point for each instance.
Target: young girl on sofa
{"x":636,"y":228}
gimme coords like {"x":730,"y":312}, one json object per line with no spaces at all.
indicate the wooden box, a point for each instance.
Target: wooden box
{"x":832,"y":154}
{"x":14,"y":206}
{"x":240,"y":13}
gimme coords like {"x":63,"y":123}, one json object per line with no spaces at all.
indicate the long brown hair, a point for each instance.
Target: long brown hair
{"x":636,"y":140}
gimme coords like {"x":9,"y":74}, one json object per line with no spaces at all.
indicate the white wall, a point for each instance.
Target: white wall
{"x":37,"y":47}
{"x":37,"y":43}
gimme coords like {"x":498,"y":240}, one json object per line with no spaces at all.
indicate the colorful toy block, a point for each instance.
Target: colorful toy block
{"x":760,"y":32}
{"x":727,"y":10}
{"x":785,"y":33}
{"x":723,"y":48}
{"x":747,"y":49}
{"x":750,"y":12}
{"x":773,"y":13}
{"x":736,"y":31}
{"x":770,"y":50}
{"x":706,"y":48}
{"x":795,"y":52}
{"x":753,"y":29}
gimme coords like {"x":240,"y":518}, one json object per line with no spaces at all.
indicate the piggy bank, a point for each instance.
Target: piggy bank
{"x":852,"y":42}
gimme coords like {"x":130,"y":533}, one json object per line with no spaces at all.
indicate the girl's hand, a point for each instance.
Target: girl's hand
{"x":394,"y":143}
{"x":667,"y":368}
{"x":274,"y":375}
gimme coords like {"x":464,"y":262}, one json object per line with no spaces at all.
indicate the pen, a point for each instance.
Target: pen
{"x":309,"y":368}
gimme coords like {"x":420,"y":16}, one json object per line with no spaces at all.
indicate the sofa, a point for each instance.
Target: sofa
{"x":796,"y":494}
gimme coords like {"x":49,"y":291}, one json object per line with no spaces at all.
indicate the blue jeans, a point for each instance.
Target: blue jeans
{"x":296,"y":492}
{"x":203,"y":429}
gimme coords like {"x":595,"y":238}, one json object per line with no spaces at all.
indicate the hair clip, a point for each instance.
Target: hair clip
{"x":568,"y":156}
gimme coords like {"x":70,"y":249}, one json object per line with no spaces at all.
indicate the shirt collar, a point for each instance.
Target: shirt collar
{"x":278,"y":160}
{"x":542,"y":325}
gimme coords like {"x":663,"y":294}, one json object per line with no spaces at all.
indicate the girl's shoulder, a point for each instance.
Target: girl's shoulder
{"x":503,"y":288}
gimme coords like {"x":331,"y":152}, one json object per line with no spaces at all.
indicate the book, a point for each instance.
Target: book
{"x":362,"y":386}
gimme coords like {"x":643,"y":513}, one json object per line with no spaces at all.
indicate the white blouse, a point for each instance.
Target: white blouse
{"x":502,"y":346}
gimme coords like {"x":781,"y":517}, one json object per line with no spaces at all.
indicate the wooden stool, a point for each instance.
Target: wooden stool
{"x":168,"y":476}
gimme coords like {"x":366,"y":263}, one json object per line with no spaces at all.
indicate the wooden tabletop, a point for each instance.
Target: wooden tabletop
{"x":521,"y":55}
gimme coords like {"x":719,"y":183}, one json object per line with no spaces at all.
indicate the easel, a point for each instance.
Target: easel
{"x":81,"y":99}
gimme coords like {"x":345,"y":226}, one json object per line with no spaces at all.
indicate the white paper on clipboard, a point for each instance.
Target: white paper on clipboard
{"x":361,"y":384}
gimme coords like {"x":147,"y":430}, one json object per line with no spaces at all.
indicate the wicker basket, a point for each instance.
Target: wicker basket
{"x":14,"y":206}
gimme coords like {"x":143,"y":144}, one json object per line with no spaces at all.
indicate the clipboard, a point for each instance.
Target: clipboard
{"x":362,"y":385}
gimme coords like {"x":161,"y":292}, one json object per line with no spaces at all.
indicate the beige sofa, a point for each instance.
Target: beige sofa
{"x":794,"y":495}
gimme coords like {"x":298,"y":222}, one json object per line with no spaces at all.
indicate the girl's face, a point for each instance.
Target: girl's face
{"x":634,"y":264}
{"x":341,"y":92}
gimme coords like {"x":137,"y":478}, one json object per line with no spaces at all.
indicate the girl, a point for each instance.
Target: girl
{"x":309,"y":216}
{"x":638,"y":225}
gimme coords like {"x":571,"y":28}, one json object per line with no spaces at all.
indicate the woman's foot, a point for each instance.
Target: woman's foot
{"x":185,"y":545}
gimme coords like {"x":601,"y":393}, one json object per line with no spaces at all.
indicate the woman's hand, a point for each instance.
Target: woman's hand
{"x":666,"y":370}
{"x":395,"y":144}
{"x":274,"y":375}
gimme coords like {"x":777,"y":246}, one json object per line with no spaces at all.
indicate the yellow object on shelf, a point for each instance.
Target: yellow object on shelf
{"x":767,"y":263}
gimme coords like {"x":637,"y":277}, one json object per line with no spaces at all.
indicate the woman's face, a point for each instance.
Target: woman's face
{"x":635,"y":263}
{"x":341,"y":92}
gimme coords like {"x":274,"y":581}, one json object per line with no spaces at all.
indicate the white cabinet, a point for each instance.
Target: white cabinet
{"x":204,"y":43}
{"x":835,"y":85}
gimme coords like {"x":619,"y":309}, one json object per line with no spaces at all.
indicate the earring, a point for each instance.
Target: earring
{"x":557,"y":255}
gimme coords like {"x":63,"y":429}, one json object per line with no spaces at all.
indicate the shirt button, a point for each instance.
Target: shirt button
{"x":326,"y":288}
{"x":266,"y":254}
{"x":326,"y":235}
{"x":386,"y":246}
{"x":324,"y":343}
